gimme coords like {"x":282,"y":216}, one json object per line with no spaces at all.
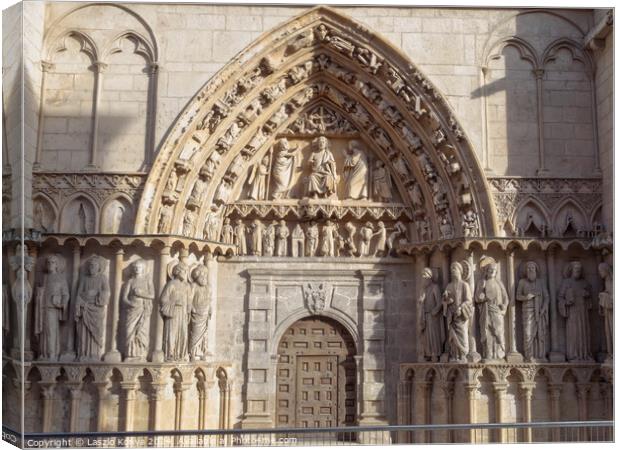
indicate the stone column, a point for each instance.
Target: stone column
{"x":583,"y":390}
{"x":556,"y":354}
{"x":538,"y":73}
{"x":69,"y":354}
{"x":157,"y":395}
{"x":113,"y":355}
{"x":46,"y":67}
{"x":500,"y":390}
{"x":420,"y":401}
{"x":129,"y":389}
{"x":102,"y":393}
{"x":447,"y":392}
{"x":99,"y":67}
{"x":512,"y":355}
{"x":471,"y":389}
{"x":180,"y":388}
{"x":555,"y":390}
{"x":48,"y":394}
{"x":75,"y":391}
{"x":405,"y":416}
{"x":162,"y":263}
{"x":527,"y":390}
{"x":473,"y":355}
{"x":153,"y":70}
{"x":359,"y":383}
{"x":202,"y":405}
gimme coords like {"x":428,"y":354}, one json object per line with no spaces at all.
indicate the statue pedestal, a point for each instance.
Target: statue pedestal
{"x":557,"y":357}
{"x":17,"y":354}
{"x":514,"y":357}
{"x":112,"y":356}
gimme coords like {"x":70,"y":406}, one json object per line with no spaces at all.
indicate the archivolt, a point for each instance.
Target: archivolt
{"x":319,"y":56}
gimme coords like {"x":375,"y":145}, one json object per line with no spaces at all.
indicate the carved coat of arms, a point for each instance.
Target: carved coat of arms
{"x":315,"y":297}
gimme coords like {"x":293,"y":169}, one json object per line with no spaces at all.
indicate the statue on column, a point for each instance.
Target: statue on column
{"x":200,"y":313}
{"x":240,"y":239}
{"x":175,"y":309}
{"x":298,"y":241}
{"x":90,"y":310}
{"x":21,"y":291}
{"x":212,"y":224}
{"x":432,"y":321}
{"x":458,"y":309}
{"x":284,"y":163}
{"x":534,"y":298}
{"x":322,"y":179}
{"x":606,"y":305}
{"x":492,"y":298}
{"x":312,"y":238}
{"x":574,"y":304}
{"x":355,"y":172}
{"x":282,"y":239}
{"x":52,"y":307}
{"x":137,"y":298}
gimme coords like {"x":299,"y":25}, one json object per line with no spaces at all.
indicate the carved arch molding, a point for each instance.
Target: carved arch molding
{"x":320,"y":59}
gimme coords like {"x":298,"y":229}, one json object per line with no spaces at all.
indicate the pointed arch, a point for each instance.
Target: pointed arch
{"x":561,"y":223}
{"x":277,"y":71}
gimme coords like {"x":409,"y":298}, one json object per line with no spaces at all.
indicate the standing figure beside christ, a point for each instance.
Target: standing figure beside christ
{"x":321,"y":181}
{"x":355,"y":172}
{"x":284,"y":163}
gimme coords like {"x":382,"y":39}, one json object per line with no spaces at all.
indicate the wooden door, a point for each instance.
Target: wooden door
{"x":316,"y":375}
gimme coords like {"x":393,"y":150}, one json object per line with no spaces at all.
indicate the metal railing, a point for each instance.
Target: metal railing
{"x":591,"y":431}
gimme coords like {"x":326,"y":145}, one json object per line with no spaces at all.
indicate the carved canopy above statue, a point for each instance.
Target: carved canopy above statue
{"x":320,"y":74}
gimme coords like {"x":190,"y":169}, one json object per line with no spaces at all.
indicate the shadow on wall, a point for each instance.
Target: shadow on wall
{"x":538,"y":98}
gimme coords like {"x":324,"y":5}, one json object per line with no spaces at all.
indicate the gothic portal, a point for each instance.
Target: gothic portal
{"x":317,"y":238}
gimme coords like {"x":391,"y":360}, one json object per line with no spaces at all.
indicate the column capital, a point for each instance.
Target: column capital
{"x":47,"y":390}
{"x":555,"y":389}
{"x":157,"y":392}
{"x":99,"y":66}
{"x":527,"y":388}
{"x":46,"y":66}
{"x":538,"y":73}
{"x":583,"y":389}
{"x":500,"y":387}
{"x":153,"y":67}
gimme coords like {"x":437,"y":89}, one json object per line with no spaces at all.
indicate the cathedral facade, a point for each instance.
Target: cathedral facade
{"x":257,"y":217}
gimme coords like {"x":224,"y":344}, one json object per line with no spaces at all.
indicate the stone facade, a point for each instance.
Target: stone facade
{"x":224,"y":201}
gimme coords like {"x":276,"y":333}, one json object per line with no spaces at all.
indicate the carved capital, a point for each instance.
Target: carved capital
{"x":555,"y":390}
{"x":47,"y":66}
{"x":582,"y":390}
{"x":527,"y":389}
{"x":99,"y":66}
{"x":500,"y":388}
{"x":47,"y":390}
{"x":538,"y":73}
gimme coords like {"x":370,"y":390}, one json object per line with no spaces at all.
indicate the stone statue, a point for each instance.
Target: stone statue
{"x":445,"y":226}
{"x":328,"y":236}
{"x":415,"y":194}
{"x":175,"y":308}
{"x":298,"y":241}
{"x":355,"y":172}
{"x":173,"y":178}
{"x":398,"y":234}
{"x":432,"y":321}
{"x":534,"y":298}
{"x":312,"y":238}
{"x":470,"y":224}
{"x":212,"y":224}
{"x":269,"y":239}
{"x":381,"y":249}
{"x":284,"y":164}
{"x":137,"y":298}
{"x":606,"y":305}
{"x":381,"y":183}
{"x":200,"y":310}
{"x":188,"y":223}
{"x":52,"y":307}
{"x":492,"y":299}
{"x":197,"y":193}
{"x":349,"y":241}
{"x":165,"y":219}
{"x":227,"y":232}
{"x":574,"y":303}
{"x":90,"y":310}
{"x":282,"y":239}
{"x":258,"y":179}
{"x":257,"y":237}
{"x":322,"y":179}
{"x":21,"y":290}
{"x":240,"y":238}
{"x":458,"y":309}
{"x":366,"y":233}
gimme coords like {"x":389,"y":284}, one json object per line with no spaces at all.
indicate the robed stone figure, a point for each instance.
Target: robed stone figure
{"x":52,"y":307}
{"x":458,"y":310}
{"x":175,"y":309}
{"x":137,"y":298}
{"x":200,"y":313}
{"x":574,"y":304}
{"x":284,"y":163}
{"x":492,"y":300}
{"x":432,"y":320}
{"x":93,"y":295}
{"x":355,"y":172}
{"x":534,"y":298}
{"x":322,"y":178}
